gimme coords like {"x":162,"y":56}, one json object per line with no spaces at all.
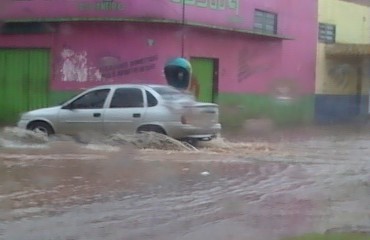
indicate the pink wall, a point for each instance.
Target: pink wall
{"x":298,"y":20}
{"x":102,"y":53}
{"x":245,"y":64}
{"x":90,"y":53}
{"x":299,"y":55}
{"x":26,"y":41}
{"x":137,"y":52}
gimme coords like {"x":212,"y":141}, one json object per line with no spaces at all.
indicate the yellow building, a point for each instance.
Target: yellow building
{"x":343,"y":60}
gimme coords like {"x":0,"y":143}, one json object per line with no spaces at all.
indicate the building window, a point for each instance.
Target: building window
{"x":265,"y":22}
{"x":327,"y":33}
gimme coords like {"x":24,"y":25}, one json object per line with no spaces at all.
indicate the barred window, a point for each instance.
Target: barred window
{"x":265,"y":22}
{"x":326,"y":33}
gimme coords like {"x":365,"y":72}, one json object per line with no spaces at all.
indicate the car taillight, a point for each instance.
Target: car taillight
{"x":183,"y":120}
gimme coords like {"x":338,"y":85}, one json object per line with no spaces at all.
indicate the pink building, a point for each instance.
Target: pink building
{"x":255,"y":58}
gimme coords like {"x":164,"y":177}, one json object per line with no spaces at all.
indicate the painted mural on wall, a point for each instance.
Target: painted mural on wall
{"x":120,"y":53}
{"x":111,"y":67}
{"x":342,"y":74}
{"x":75,"y":67}
{"x":253,"y":60}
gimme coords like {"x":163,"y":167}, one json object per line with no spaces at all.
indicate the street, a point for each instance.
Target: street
{"x":242,"y":188}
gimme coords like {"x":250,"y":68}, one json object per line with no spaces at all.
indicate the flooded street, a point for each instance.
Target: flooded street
{"x":241,"y":188}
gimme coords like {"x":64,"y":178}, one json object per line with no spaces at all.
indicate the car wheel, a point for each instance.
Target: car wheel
{"x":151,"y":128}
{"x":41,"y":127}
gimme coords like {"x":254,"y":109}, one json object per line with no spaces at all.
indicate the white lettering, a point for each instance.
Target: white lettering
{"x":212,"y":4}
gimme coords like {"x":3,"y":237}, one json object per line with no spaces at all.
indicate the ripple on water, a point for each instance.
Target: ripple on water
{"x":252,"y":189}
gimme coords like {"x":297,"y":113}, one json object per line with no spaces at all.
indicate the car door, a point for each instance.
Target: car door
{"x":84,"y":114}
{"x":126,"y":110}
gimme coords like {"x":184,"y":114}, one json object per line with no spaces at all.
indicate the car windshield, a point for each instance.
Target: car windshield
{"x":67,"y":98}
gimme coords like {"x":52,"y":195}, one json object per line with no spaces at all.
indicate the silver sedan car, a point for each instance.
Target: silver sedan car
{"x":128,"y":108}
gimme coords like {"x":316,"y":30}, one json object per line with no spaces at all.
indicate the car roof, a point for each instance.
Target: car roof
{"x":127,"y":85}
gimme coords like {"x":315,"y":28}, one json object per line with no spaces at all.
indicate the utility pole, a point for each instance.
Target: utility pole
{"x":183,"y":29}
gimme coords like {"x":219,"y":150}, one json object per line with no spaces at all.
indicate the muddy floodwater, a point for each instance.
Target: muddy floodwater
{"x":236,"y":187}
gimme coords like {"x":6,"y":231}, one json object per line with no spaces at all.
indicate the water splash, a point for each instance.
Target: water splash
{"x":149,"y":140}
{"x":12,"y":137}
{"x":15,"y":138}
{"x":222,"y":145}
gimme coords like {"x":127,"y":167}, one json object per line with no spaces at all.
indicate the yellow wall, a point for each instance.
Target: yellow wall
{"x":352,"y":26}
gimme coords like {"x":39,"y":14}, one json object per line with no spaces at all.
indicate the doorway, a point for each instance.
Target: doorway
{"x":24,"y":81}
{"x":204,"y":82}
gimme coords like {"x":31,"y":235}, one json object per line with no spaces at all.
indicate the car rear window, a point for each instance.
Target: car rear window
{"x":169,"y":93}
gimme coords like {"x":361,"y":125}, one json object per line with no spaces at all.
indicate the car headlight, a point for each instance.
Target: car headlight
{"x":23,"y":116}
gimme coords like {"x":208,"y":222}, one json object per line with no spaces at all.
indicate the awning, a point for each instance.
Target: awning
{"x":350,"y":50}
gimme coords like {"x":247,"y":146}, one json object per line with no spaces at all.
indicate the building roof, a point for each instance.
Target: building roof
{"x":343,"y":49}
{"x":361,"y":2}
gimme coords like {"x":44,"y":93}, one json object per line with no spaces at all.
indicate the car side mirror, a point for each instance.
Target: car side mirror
{"x":68,"y":106}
